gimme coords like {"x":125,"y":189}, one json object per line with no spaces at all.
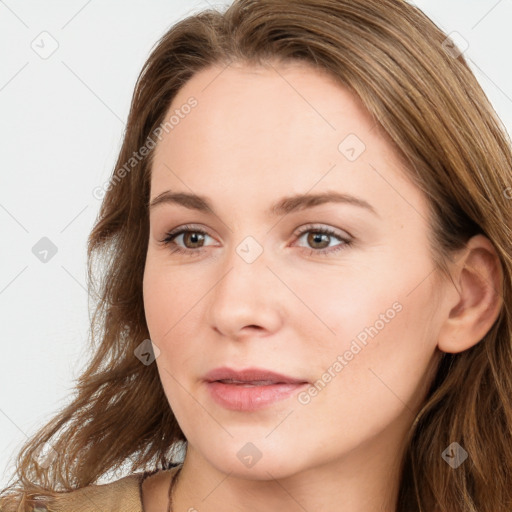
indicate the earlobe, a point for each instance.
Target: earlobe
{"x":478,"y":276}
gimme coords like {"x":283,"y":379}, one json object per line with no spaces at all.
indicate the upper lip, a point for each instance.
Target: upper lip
{"x":250,"y":375}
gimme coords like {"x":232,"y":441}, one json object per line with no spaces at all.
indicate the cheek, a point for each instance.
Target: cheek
{"x":364,"y":303}
{"x":173,"y":315}
{"x":155,"y":302}
{"x":374,"y":321}
{"x":171,"y":318}
{"x":168,"y":296}
{"x":376,"y":366}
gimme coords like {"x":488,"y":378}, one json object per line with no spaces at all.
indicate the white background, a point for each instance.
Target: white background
{"x":61,"y":124}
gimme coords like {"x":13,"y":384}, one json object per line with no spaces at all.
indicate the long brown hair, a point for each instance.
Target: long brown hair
{"x":424,"y":97}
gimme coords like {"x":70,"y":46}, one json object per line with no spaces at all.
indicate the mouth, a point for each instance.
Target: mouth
{"x":249,"y":383}
{"x":250,"y":389}
{"x":250,"y":376}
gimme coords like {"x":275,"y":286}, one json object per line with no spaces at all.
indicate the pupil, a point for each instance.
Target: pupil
{"x":317,"y":238}
{"x":195,"y":237}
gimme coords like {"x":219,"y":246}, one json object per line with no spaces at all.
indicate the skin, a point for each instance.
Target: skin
{"x":256,"y":136}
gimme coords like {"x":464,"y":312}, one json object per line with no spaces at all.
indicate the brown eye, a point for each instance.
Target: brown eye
{"x":318,"y":240}
{"x":193,"y":238}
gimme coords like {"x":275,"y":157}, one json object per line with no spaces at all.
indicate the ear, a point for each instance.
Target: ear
{"x":478,"y":277}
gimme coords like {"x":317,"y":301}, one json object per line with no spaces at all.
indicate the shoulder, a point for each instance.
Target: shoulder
{"x":123,"y":495}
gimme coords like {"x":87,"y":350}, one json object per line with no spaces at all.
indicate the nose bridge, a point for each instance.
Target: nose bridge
{"x":246,"y":294}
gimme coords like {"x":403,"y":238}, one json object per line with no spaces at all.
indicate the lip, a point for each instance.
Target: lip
{"x":250,"y":375}
{"x":256,"y":388}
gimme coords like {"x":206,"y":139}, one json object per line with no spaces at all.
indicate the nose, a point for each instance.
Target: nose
{"x":247,"y":300}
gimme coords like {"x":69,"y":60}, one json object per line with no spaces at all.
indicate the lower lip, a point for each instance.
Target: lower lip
{"x":239,"y":397}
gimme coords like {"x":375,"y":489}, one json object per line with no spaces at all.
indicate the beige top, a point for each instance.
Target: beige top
{"x":123,"y":495}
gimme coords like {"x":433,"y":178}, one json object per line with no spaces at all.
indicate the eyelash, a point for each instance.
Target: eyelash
{"x":168,"y":240}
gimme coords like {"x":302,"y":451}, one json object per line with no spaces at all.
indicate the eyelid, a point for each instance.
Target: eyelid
{"x":345,"y":238}
{"x":322,"y":227}
{"x":298,"y":232}
{"x":184,"y":228}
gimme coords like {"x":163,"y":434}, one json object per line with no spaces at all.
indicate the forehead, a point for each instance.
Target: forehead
{"x":270,"y":105}
{"x":286,"y":128}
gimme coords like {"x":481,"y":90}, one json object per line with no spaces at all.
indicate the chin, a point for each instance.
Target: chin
{"x":255,"y":460}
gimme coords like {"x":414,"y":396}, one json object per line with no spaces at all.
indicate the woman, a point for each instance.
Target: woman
{"x":308,"y":278}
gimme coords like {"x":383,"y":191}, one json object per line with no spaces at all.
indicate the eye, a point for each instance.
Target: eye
{"x":318,"y":236}
{"x":189,"y":234}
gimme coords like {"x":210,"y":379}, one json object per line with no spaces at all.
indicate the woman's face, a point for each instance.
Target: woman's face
{"x":353,"y":312}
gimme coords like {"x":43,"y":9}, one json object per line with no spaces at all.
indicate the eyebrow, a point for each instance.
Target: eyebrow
{"x":283,"y":207}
